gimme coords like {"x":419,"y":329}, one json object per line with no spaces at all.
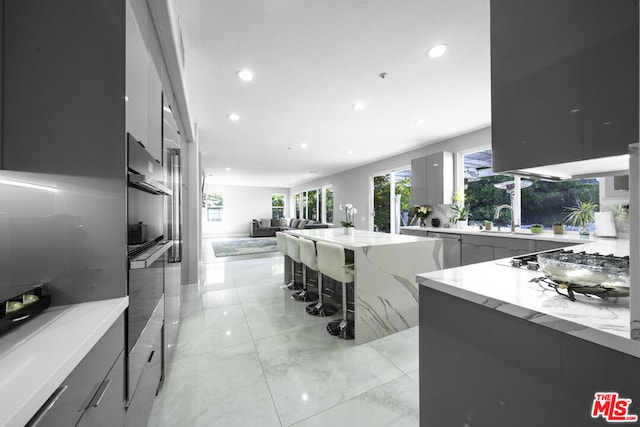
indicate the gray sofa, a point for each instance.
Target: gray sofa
{"x":267,"y":227}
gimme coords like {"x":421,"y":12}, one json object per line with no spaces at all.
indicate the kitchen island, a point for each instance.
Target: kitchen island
{"x":499,"y":350}
{"x":385,"y":265}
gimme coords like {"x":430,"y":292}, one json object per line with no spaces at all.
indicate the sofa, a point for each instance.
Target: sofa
{"x":267,"y":227}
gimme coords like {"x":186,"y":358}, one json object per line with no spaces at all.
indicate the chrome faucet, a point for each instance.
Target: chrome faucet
{"x":497,"y":215}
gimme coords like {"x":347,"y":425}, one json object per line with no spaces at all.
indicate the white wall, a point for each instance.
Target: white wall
{"x":353,"y":186}
{"x":241,"y":205}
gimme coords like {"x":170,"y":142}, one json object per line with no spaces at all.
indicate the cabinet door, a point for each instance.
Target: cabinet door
{"x":75,"y":393}
{"x":419,"y":181}
{"x":140,"y":405}
{"x":154,"y":113}
{"x":435,"y":168}
{"x":63,"y":110}
{"x":472,"y":253}
{"x":136,"y":84}
{"x":610,"y":87}
{"x":1,"y":77}
{"x":537,"y":118}
{"x":544,"y":245}
{"x":106,"y":409}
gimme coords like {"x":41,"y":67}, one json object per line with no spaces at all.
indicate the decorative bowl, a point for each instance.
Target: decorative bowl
{"x":536,"y":228}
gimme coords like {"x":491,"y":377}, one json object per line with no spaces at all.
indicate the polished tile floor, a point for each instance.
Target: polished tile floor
{"x":249,"y":355}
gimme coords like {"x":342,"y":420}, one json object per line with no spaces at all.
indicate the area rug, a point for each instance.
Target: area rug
{"x":250,"y":246}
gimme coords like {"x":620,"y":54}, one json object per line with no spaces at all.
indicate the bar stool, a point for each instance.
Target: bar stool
{"x":331,"y":262}
{"x":309,"y":259}
{"x":293,"y":250}
{"x":281,"y":243}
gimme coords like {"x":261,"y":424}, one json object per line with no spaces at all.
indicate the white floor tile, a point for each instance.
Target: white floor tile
{"x":248,"y":354}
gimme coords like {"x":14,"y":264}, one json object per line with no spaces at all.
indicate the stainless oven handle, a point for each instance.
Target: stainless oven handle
{"x":47,"y":406}
{"x":138,"y":263}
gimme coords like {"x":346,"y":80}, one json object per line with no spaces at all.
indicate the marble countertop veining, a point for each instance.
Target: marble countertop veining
{"x":359,"y":238}
{"x":497,"y":285}
{"x":37,"y":356}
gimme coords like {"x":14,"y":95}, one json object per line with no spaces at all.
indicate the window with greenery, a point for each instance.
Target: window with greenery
{"x":383,"y":205}
{"x":303,"y":205}
{"x":541,"y":202}
{"x":214,"y":204}
{"x":544,"y":202}
{"x":312,"y":204}
{"x":298,"y":210}
{"x":328,"y":198}
{"x":277,"y":206}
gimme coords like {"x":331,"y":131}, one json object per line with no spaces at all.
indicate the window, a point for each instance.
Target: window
{"x":312,"y":204}
{"x":328,"y":207}
{"x":538,"y":202}
{"x":214,"y":203}
{"x":277,"y":206}
{"x":298,"y":206}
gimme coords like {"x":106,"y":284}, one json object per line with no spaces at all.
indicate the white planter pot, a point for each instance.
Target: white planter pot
{"x":463,"y":223}
{"x":348,"y":230}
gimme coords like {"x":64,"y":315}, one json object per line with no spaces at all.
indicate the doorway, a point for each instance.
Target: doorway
{"x":391,"y":200}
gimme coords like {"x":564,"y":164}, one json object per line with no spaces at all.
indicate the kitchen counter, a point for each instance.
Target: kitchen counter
{"x":567,"y":236}
{"x":500,"y":287}
{"x":385,"y":267}
{"x":36,"y":357}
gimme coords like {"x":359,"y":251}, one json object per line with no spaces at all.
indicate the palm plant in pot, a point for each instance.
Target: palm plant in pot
{"x":581,"y":215}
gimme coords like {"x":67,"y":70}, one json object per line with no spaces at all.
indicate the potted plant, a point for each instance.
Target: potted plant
{"x":536,"y":228}
{"x":461,"y":216}
{"x":581,"y":215}
{"x":558,"y":228}
{"x":349,"y":212}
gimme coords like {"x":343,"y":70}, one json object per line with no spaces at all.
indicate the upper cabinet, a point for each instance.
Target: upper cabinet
{"x":564,"y":80}
{"x":432,"y":179}
{"x":63,"y":87}
{"x":143,"y":86}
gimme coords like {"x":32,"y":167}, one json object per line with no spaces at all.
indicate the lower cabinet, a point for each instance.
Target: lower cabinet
{"x":94,"y":389}
{"x":473,"y":253}
{"x":140,"y":405}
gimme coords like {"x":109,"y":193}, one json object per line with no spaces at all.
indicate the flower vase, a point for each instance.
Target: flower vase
{"x":462,"y":224}
{"x":423,"y":222}
{"x":348,"y":230}
{"x":583,"y":230}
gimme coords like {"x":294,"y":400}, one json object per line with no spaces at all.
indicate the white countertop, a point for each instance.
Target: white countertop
{"x":498,"y":286}
{"x":567,"y":236}
{"x":37,"y":356}
{"x":359,"y":238}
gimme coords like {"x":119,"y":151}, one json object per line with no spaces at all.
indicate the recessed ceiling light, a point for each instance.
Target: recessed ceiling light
{"x":246,"y":75}
{"x":418,"y":121}
{"x":437,"y":51}
{"x":304,"y":145}
{"x":227,"y":169}
{"x":233,"y":117}
{"x":349,"y":152}
{"x":358,"y":105}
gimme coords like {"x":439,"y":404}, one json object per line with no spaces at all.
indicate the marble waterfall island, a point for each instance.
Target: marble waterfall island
{"x":386,"y":265}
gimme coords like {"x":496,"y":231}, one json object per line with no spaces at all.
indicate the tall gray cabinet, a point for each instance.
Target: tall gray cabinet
{"x":432,"y":179}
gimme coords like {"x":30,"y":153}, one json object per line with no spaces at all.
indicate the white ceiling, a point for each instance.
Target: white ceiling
{"x":313,"y":59}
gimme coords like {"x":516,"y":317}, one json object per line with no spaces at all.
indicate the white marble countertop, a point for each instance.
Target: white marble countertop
{"x":359,"y":238}
{"x":37,"y":356}
{"x":497,"y":285}
{"x":567,"y":236}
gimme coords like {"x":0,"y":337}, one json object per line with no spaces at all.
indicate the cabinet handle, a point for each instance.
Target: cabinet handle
{"x":47,"y":406}
{"x":151,"y":356}
{"x":100,"y":393}
{"x":21,"y":318}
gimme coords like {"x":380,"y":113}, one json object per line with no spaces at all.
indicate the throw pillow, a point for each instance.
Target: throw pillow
{"x":275,"y":222}
{"x":265,"y":222}
{"x":283,"y":222}
{"x":302,"y":223}
{"x":294,"y":223}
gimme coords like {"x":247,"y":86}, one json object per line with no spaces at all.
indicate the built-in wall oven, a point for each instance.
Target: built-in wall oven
{"x":147,"y":252}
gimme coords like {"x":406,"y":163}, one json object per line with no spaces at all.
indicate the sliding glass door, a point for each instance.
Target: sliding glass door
{"x":391,"y":202}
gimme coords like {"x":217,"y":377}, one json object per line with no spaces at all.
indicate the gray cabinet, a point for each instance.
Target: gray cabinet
{"x":140,"y":405}
{"x":544,"y":245}
{"x":564,"y":80}
{"x":487,"y":248}
{"x":432,"y":179}
{"x":63,"y":86}
{"x":96,"y":385}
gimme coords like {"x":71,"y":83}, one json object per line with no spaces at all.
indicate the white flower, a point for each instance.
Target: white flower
{"x":354,"y":211}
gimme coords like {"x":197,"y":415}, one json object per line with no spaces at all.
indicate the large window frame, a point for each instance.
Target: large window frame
{"x":213,"y":202}
{"x":278,"y":205}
